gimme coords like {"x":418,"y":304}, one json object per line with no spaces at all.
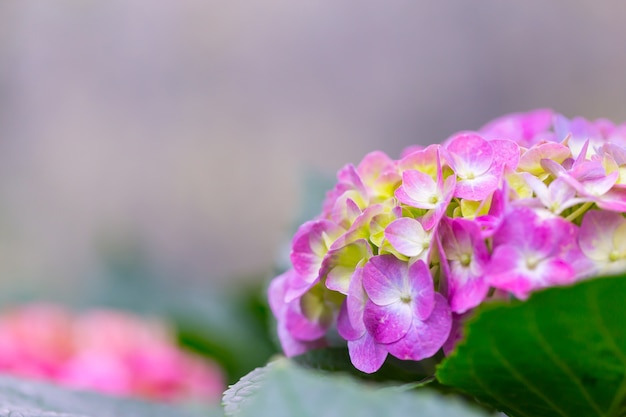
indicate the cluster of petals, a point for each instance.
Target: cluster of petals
{"x":404,"y":249}
{"x":106,"y":351}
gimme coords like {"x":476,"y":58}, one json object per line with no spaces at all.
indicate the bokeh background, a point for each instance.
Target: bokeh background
{"x":173,"y":140}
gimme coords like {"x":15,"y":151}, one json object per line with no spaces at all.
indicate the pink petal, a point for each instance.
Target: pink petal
{"x":520,"y":127}
{"x":346,"y":210}
{"x":422,"y":160}
{"x":366,"y":355}
{"x":345,"y":328}
{"x":470,"y":155}
{"x":530,"y":161}
{"x":309,"y":246}
{"x":456,"y":333}
{"x":506,"y":153}
{"x":508,"y":272}
{"x":276,"y":293}
{"x":373,"y":165}
{"x":387,"y":323}
{"x":425,"y":338}
{"x":595,"y":236}
{"x":503,"y":271}
{"x":303,"y":327}
{"x":417,"y":190}
{"x":407,"y":236}
{"x":432,"y":217}
{"x":478,"y":188}
{"x":294,"y":347}
{"x":556,"y":271}
{"x":469,"y":295}
{"x":523,"y":228}
{"x":614,"y":200}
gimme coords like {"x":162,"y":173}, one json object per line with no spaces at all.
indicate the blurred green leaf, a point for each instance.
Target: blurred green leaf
{"x":560,"y":353}
{"x":283,"y":389}
{"x":21,"y":398}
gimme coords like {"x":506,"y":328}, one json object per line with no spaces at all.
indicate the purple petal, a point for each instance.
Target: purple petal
{"x":310,"y":245}
{"x":344,"y":327}
{"x":276,"y":293}
{"x":308,"y":325}
{"x":366,"y":355}
{"x":425,"y":338}
{"x":422,"y":290}
{"x":385,"y":279}
{"x":387,"y":323}
{"x":356,"y":300}
{"x":294,"y":347}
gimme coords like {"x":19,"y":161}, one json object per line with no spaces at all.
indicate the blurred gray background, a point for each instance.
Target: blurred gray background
{"x":179,"y":131}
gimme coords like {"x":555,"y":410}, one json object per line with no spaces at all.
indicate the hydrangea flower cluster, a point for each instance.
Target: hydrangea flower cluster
{"x":105,"y":351}
{"x":404,"y":249}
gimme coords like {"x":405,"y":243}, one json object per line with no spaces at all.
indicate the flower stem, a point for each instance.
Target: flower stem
{"x":579,"y":211}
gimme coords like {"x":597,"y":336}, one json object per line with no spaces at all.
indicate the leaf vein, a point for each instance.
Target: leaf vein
{"x":620,"y":393}
{"x":495,"y":398}
{"x":545,"y":346}
{"x":524,"y":381}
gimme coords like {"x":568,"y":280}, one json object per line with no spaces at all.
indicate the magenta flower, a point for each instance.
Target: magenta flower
{"x":339,"y":264}
{"x":310,"y":246}
{"x":421,"y":191}
{"x":291,"y":344}
{"x":602,"y":239}
{"x":366,"y":354}
{"x":409,"y":238}
{"x":467,"y":255}
{"x":523,"y":128}
{"x":530,"y":252}
{"x":555,"y":197}
{"x":403,"y":310}
{"x":471,"y":158}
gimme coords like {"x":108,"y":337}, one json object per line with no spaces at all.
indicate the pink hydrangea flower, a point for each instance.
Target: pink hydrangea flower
{"x":530,"y":252}
{"x":403,"y":310}
{"x":106,"y":351}
{"x":529,"y":201}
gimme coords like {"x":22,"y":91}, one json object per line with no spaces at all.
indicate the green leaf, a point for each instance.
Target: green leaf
{"x":282,"y":389}
{"x":560,"y":353}
{"x":21,"y":398}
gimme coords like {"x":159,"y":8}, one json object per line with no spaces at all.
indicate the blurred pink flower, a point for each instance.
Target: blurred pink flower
{"x":106,"y":351}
